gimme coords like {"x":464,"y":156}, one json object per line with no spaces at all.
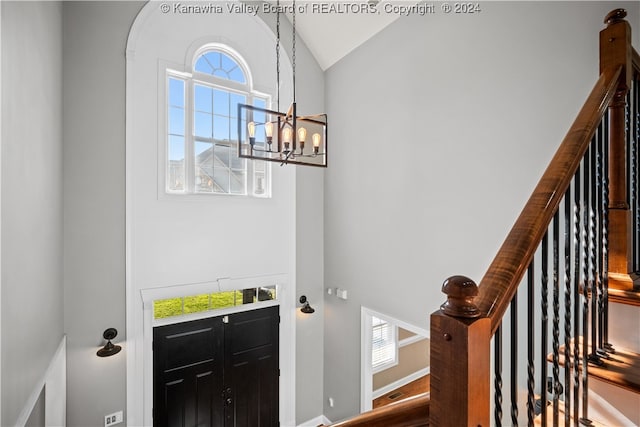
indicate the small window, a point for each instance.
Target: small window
{"x":206,"y":302}
{"x":202,"y":129}
{"x":384,"y":348}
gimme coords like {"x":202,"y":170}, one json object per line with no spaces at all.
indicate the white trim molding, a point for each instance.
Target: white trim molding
{"x":55,"y":383}
{"x":399,"y":383}
{"x":314,"y":422}
{"x":366,"y":371}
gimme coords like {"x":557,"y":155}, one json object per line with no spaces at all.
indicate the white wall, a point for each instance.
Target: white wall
{"x":181,"y":240}
{"x":95,"y":35}
{"x":32,"y":278}
{"x":441,"y":126}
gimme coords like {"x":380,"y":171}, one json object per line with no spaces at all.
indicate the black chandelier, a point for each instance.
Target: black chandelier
{"x":265,"y":134}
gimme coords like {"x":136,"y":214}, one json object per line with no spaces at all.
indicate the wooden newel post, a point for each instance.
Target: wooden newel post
{"x":460,"y":358}
{"x":616,"y":51}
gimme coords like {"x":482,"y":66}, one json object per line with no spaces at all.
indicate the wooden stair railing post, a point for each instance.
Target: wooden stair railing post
{"x":460,"y":359}
{"x":615,"y":51}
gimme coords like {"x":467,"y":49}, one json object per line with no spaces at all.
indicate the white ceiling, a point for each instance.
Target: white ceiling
{"x":332,"y":35}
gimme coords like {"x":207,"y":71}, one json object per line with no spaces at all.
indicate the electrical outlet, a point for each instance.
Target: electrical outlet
{"x":113,"y":419}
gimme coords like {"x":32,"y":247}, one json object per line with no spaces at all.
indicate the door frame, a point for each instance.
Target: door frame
{"x":366,"y":371}
{"x":284,"y":299}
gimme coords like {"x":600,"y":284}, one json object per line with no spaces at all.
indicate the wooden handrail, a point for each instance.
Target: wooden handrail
{"x":500,"y":283}
{"x":410,"y":412}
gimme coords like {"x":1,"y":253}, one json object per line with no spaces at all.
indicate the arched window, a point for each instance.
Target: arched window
{"x":202,"y":133}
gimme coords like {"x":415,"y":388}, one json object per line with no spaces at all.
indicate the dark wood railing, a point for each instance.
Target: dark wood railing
{"x":410,"y":412}
{"x":578,"y":235}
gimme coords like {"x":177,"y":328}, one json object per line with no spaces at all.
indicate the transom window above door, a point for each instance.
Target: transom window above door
{"x":202,"y":127}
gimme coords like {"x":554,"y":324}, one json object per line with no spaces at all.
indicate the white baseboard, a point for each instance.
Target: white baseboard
{"x":314,"y":422}
{"x":399,"y":383}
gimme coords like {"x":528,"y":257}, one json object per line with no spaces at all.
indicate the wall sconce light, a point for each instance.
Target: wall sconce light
{"x":306,"y":308}
{"x":109,"y":348}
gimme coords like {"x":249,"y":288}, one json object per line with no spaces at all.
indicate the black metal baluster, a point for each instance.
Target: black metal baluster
{"x":567,"y":306}
{"x":514,"y":359}
{"x":593,"y":262}
{"x":605,"y":234}
{"x":577,"y":196}
{"x":585,"y":286}
{"x":600,"y":238}
{"x":556,"y":318}
{"x":497,"y":371}
{"x":530,"y":343}
{"x":544,"y":325}
{"x":632,"y":161}
{"x":633,"y":186}
{"x":636,"y":127}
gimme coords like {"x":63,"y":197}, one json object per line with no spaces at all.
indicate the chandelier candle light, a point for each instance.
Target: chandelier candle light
{"x":265,"y":134}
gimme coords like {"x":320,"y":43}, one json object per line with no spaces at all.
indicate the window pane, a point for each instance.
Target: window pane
{"x":203,"y":99}
{"x":260,"y":103}
{"x":221,"y":171}
{"x":204,"y":64}
{"x":176,"y":172}
{"x":203,"y":125}
{"x":237,"y":182}
{"x":237,"y":75}
{"x":266,"y":293}
{"x":236,"y":99}
{"x":167,"y":308}
{"x":227,"y":63}
{"x":203,"y":167}
{"x":176,"y":121}
{"x":221,"y":128}
{"x":237,"y":163}
{"x":226,"y":299}
{"x":176,"y":92}
{"x":259,"y":179}
{"x":196,"y":303}
{"x":221,"y":102}
{"x":383,"y":343}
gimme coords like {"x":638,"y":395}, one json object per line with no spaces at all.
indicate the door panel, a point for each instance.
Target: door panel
{"x":211,"y":373}
{"x":188,"y":374}
{"x":251,"y":368}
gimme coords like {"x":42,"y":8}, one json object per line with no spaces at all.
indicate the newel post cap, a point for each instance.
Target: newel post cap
{"x":460,"y":291}
{"x":615,"y":15}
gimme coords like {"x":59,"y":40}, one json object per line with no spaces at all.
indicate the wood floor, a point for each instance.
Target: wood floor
{"x":421,"y":385}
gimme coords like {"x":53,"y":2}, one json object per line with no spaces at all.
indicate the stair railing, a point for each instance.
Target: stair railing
{"x":577,"y":236}
{"x":572,"y":240}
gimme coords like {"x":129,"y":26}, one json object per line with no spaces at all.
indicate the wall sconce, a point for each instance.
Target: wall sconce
{"x":306,"y":308}
{"x":109,"y":348}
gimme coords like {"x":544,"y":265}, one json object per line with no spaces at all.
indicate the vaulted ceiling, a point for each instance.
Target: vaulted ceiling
{"x":330,"y":35}
{"x":333,"y":29}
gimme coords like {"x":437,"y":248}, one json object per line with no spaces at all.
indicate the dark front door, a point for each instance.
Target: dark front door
{"x":219,"y":371}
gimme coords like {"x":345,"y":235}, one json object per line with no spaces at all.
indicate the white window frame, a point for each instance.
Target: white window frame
{"x":389,"y":350}
{"x":366,"y":373}
{"x":191,"y":78}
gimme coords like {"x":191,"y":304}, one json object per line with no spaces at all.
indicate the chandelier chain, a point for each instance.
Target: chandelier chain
{"x":278,"y":55}
{"x":293,"y":50}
